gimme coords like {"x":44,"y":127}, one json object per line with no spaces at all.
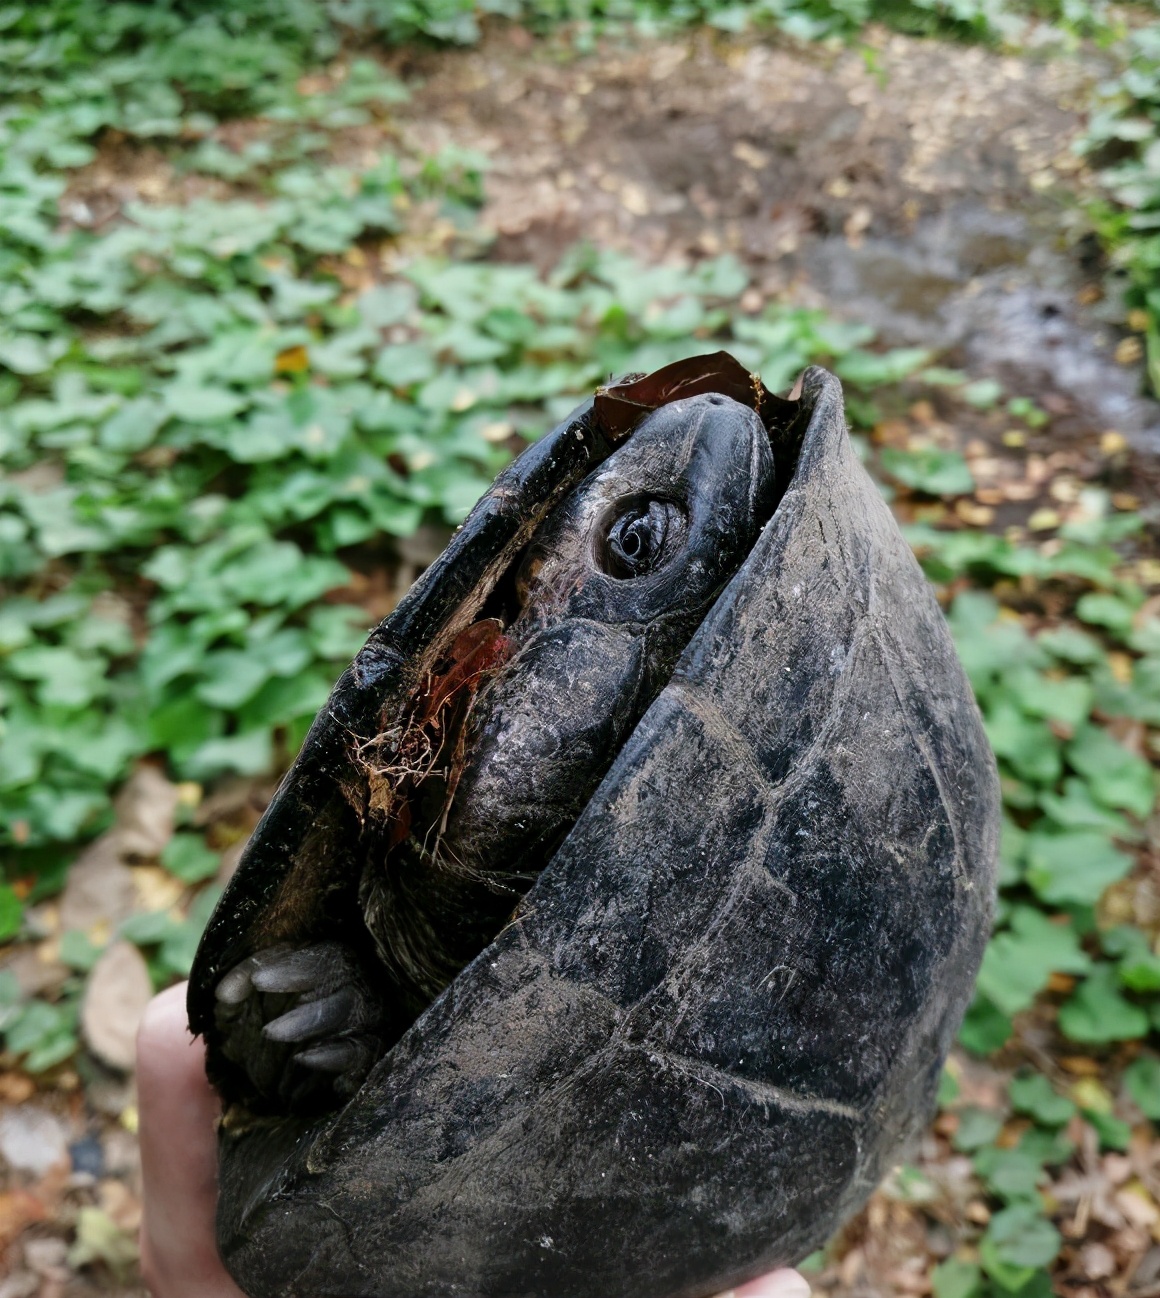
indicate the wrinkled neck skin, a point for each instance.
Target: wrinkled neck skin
{"x":588,"y":651}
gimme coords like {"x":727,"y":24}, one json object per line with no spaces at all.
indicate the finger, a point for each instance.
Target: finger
{"x":783,"y":1283}
{"x":178,"y":1111}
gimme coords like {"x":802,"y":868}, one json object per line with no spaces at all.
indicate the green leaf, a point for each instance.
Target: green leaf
{"x":1097,"y":1013}
{"x":1072,"y":645}
{"x":1100,"y":609}
{"x":78,"y":951}
{"x":938,"y":376}
{"x":147,"y":928}
{"x":337,"y":631}
{"x":873,"y":369}
{"x":202,"y":405}
{"x":243,"y":754}
{"x":1026,"y":409}
{"x":52,"y":1050}
{"x":1012,"y":849}
{"x":1073,"y":867}
{"x":1117,"y":777}
{"x":404,"y":365}
{"x":181,"y":725}
{"x":234,"y":675}
{"x":1033,"y":1094}
{"x":982,"y":394}
{"x":387,"y":304}
{"x":938,"y":473}
{"x":1019,"y":1237}
{"x":179,"y":943}
{"x":1009,"y":1174}
{"x":134,"y":426}
{"x":1019,"y":961}
{"x":1027,"y":744}
{"x":955,"y":1279}
{"x":1068,"y":700}
{"x":11,"y":913}
{"x":65,"y":679}
{"x":976,"y":1128}
{"x":1075,"y":808}
{"x":30,"y":354}
{"x":188,"y":858}
{"x":9,"y":993}
{"x":45,"y":1034}
{"x":948,"y":1088}
{"x":1113,"y":1132}
{"x":985,"y":1028}
{"x":1142,"y":1079}
{"x":1049,"y":1147}
{"x":1139,"y":966}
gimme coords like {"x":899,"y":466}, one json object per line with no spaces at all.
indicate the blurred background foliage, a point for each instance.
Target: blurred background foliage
{"x":214,"y":435}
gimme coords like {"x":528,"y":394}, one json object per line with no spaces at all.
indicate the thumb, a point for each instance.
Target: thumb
{"x":777,"y":1284}
{"x":178,"y":1111}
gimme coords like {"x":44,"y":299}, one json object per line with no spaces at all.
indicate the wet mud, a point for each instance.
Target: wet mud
{"x":932,"y":191}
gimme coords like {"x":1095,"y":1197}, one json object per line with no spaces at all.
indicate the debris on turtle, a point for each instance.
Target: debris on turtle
{"x":612,"y":926}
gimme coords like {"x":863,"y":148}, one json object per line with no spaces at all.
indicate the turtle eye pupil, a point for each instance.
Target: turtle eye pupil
{"x":640,"y":537}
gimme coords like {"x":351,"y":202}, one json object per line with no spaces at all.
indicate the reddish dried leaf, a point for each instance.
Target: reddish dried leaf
{"x":18,"y":1210}
{"x":621,"y":406}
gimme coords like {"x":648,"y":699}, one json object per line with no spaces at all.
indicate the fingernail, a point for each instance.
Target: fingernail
{"x":778,"y":1284}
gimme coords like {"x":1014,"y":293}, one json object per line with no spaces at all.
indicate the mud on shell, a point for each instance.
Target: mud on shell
{"x":724,"y":1001}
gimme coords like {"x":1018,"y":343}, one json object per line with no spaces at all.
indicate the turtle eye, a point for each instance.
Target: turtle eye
{"x":641,"y":538}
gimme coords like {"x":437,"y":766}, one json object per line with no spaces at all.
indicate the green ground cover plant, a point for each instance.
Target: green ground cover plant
{"x":207,"y":432}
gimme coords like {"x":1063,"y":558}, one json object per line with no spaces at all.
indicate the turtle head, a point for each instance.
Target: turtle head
{"x":609,"y":592}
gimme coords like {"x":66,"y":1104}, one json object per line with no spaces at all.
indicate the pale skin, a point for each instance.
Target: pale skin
{"x":178,"y":1111}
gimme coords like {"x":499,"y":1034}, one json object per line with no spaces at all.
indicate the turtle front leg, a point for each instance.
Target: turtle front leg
{"x":304,"y":1024}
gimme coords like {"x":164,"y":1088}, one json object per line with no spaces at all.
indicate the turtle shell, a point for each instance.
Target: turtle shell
{"x":724,"y":1005}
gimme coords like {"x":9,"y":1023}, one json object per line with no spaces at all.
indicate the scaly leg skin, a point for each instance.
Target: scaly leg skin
{"x":302,"y":1022}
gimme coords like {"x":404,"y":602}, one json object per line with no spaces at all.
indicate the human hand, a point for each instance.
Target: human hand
{"x":783,"y":1283}
{"x":178,"y":1109}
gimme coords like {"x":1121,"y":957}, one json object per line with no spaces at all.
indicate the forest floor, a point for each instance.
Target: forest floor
{"x":928,"y":190}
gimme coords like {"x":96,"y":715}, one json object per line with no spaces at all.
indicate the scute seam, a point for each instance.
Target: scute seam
{"x":762,"y":1092}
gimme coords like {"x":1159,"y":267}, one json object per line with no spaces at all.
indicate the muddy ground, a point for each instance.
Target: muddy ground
{"x":927,"y":189}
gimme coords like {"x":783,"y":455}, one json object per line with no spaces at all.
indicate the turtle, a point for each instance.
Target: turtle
{"x":610,"y":931}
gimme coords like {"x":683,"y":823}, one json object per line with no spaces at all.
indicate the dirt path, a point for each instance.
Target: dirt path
{"x":923,"y":188}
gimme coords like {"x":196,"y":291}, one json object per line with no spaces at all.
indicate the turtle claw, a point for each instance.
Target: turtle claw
{"x":287,"y":970}
{"x":314,"y":1019}
{"x":304,"y":1024}
{"x":236,"y":985}
{"x":337,"y":1057}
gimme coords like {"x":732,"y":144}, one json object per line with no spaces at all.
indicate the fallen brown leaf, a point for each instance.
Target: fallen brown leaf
{"x":18,"y":1210}
{"x":16,"y":1088}
{"x":119,"y":989}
